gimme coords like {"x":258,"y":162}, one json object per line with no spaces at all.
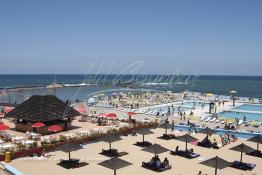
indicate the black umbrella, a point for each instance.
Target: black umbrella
{"x":115,"y":164}
{"x":145,"y":132}
{"x":207,"y":131}
{"x":243,"y":149}
{"x":155,"y":149}
{"x":257,"y":139}
{"x":69,"y":147}
{"x":166,"y":126}
{"x":110,"y":138}
{"x":217,"y":163}
{"x":186,"y":138}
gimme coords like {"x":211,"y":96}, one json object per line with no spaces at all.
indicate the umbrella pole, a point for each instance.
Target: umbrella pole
{"x":216,"y":167}
{"x":257,"y":146}
{"x":110,"y":145}
{"x":114,"y":162}
{"x":241,"y":157}
{"x":143,"y":138}
{"x":186,"y":143}
{"x":166,"y":130}
{"x":69,"y":155}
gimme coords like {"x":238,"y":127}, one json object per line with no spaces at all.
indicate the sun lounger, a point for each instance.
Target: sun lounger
{"x":155,"y":168}
{"x":143,"y":144}
{"x":223,"y":122}
{"x":207,"y":119}
{"x":243,"y":166}
{"x":72,"y":163}
{"x":212,"y":120}
{"x":112,"y":153}
{"x":205,"y":145}
{"x":217,"y":121}
{"x":167,"y":136}
{"x":184,"y":154}
{"x":203,"y":118}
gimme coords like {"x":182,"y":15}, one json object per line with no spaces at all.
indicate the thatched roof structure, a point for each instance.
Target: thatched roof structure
{"x":43,"y":109}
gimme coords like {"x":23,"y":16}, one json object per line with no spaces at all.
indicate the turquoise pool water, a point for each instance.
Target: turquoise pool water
{"x":240,"y":115}
{"x":245,"y":135}
{"x":249,"y":107}
{"x":192,"y":104}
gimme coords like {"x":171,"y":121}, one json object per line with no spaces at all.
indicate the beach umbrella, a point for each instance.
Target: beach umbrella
{"x":243,"y":149}
{"x":115,"y":164}
{"x":131,"y":113}
{"x":186,"y":138}
{"x":102,"y":115}
{"x":207,"y":131}
{"x":165,"y":126}
{"x":257,"y":139}
{"x":91,"y":100}
{"x":69,"y":147}
{"x":110,"y":138}
{"x":210,"y":94}
{"x":38,"y":125}
{"x":55,"y":128}
{"x":155,"y":149}
{"x":144,"y":132}
{"x":111,"y":115}
{"x":217,"y":163}
{"x":4,"y":127}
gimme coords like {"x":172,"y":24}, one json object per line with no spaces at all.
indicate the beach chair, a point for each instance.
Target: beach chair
{"x":243,"y":166}
{"x":217,"y":121}
{"x":207,"y":119}
{"x":202,"y":118}
{"x":223,"y":122}
{"x":240,"y":122}
{"x":212,"y":120}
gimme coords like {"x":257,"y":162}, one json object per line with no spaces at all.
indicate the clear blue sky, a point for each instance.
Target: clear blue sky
{"x":207,"y":37}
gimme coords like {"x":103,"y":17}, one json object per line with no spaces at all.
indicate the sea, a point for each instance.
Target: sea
{"x":16,"y":88}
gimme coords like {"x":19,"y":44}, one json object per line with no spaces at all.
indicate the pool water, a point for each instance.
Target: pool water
{"x":245,"y":135}
{"x":240,"y":115}
{"x":249,"y":107}
{"x":192,"y":104}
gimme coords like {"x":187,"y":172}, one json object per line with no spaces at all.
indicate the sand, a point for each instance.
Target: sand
{"x":181,"y":166}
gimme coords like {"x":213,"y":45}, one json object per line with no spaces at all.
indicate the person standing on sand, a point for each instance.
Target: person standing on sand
{"x":173,"y":126}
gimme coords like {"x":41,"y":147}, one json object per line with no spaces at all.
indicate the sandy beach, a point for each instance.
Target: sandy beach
{"x":180,"y":166}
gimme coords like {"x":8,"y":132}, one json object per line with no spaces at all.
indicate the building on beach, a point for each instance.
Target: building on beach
{"x":46,"y":109}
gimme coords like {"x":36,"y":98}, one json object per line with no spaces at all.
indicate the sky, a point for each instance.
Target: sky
{"x":205,"y":37}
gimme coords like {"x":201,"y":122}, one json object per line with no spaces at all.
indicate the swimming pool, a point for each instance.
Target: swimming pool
{"x":240,"y":115}
{"x":249,"y":107}
{"x":245,"y":135}
{"x":192,"y":104}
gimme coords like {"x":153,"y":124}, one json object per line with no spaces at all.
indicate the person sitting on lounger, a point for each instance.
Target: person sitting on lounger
{"x":157,"y":161}
{"x":152,"y":161}
{"x":215,"y":142}
{"x":206,"y":141}
{"x":165,"y":163}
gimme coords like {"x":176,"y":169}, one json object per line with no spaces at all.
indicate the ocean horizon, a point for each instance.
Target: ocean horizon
{"x":246,"y":86}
